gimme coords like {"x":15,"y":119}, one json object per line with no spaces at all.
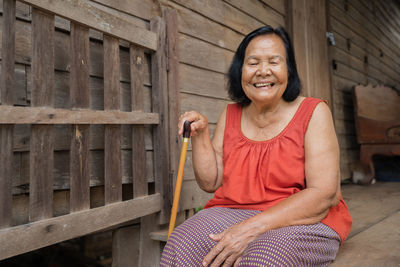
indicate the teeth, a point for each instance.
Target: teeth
{"x":262,"y":84}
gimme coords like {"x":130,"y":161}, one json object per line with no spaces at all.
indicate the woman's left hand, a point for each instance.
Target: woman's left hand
{"x":231,"y":244}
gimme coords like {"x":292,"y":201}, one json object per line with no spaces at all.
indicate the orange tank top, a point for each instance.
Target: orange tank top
{"x":259,"y":174}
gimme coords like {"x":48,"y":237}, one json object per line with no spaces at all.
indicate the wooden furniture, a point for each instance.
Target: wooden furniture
{"x":377,"y":117}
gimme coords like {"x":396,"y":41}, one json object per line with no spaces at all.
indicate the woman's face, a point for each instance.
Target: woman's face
{"x":264,"y":71}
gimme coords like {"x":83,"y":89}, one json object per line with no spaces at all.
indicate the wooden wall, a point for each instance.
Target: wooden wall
{"x":209,"y":32}
{"x":367,"y":50}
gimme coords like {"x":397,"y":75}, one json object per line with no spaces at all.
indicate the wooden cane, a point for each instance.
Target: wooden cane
{"x":178,"y":185}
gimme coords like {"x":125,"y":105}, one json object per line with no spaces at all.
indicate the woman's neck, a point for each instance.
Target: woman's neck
{"x":262,"y":113}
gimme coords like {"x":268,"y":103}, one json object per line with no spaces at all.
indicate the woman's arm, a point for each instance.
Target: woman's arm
{"x":308,"y":206}
{"x":206,"y":154}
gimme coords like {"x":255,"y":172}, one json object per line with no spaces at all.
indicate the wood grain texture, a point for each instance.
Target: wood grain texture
{"x":48,"y":115}
{"x":140,"y":187}
{"x":42,"y":137}
{"x":21,"y":239}
{"x":79,"y":98}
{"x":171,"y":18}
{"x":112,"y":134}
{"x":309,"y":42}
{"x":8,"y":53}
{"x":160,"y":132}
{"x":7,"y":98}
{"x":125,"y":246}
{"x":85,"y":13}
{"x":149,"y":250}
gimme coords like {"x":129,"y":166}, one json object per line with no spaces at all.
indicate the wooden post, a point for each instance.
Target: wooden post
{"x":161,"y":131}
{"x":42,"y":137}
{"x":311,"y":47}
{"x":112,"y":146}
{"x":171,"y":17}
{"x":6,"y":131}
{"x":80,"y":98}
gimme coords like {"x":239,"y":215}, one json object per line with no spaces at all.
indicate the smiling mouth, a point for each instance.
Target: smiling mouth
{"x":260,"y":85}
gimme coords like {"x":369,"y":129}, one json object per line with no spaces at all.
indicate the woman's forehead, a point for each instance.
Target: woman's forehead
{"x":269,"y":44}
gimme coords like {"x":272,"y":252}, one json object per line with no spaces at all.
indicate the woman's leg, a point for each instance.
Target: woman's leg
{"x":302,"y":245}
{"x":189,"y":243}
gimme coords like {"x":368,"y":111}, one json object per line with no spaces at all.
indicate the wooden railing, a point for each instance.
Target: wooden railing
{"x":43,"y":229}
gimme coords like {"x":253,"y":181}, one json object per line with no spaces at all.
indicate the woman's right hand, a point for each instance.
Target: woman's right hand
{"x":199,"y":122}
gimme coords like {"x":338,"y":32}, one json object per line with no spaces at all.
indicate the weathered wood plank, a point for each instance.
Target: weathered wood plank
{"x":140,"y":187}
{"x":208,"y":106}
{"x":362,"y":32}
{"x":160,"y":132}
{"x":223,"y":13}
{"x":48,"y":115}
{"x":207,"y":56}
{"x":138,"y":8}
{"x":309,"y":42}
{"x":8,"y":53}
{"x":61,"y":172}
{"x":125,"y":241}
{"x":7,"y":98}
{"x":149,"y":250}
{"x":6,"y":169}
{"x":171,"y":18}
{"x":42,"y":138}
{"x":196,"y":25}
{"x":62,"y":60}
{"x":80,"y":98}
{"x":112,"y":134}
{"x":83,"y":12}
{"x":278,"y":5}
{"x":193,"y":80}
{"x":259,"y":11}
{"x":24,"y":238}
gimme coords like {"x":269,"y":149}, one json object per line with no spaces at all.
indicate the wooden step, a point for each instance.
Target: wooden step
{"x":159,"y":235}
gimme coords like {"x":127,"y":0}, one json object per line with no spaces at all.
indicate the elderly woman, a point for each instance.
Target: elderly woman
{"x":273,"y":164}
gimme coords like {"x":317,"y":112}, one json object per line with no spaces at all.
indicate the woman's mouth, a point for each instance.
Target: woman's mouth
{"x":263,"y":85}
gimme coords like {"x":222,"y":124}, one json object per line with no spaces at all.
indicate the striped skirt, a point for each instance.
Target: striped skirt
{"x":302,"y":245}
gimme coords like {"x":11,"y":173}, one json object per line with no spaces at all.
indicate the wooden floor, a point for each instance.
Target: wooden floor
{"x":375,"y":236}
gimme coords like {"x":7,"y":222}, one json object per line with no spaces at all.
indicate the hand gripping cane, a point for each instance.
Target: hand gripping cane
{"x":178,"y":185}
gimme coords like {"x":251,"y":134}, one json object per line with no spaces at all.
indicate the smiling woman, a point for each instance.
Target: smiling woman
{"x":273,"y":165}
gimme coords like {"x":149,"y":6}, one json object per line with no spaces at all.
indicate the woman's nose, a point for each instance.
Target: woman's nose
{"x":264,"y":69}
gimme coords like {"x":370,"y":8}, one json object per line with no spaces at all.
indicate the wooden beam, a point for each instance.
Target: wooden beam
{"x":7,"y":98}
{"x":20,"y":239}
{"x":81,"y":11}
{"x":48,"y":115}
{"x":174,"y":107}
{"x":42,"y":137}
{"x":80,"y":98}
{"x":160,"y":105}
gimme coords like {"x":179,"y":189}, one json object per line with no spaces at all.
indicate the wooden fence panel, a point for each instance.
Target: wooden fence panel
{"x":6,"y":131}
{"x":89,"y":15}
{"x":112,"y":135}
{"x":80,"y":98}
{"x":42,"y":138}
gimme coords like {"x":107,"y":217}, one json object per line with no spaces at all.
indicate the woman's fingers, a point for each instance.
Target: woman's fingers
{"x":198,"y":122}
{"x":215,"y":251}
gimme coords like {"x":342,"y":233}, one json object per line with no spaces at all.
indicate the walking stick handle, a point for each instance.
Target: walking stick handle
{"x":186,"y":129}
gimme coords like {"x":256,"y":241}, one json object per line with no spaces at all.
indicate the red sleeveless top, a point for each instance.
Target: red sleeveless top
{"x":259,"y":174}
